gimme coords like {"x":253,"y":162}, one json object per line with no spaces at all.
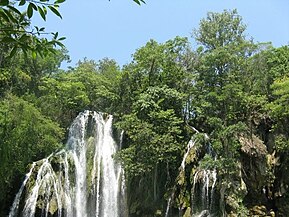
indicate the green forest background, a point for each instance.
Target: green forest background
{"x":229,"y":87}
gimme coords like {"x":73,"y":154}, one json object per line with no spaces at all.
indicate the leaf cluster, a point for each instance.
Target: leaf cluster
{"x":16,"y":32}
{"x":25,"y":136}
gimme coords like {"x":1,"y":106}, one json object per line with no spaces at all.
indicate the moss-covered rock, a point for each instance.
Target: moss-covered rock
{"x":255,"y":169}
{"x":187,"y":212}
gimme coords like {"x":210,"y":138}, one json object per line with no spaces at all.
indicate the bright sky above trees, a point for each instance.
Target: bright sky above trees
{"x":100,"y":28}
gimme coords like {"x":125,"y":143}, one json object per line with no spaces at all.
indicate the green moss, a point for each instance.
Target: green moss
{"x":53,"y":207}
{"x":188,"y":212}
{"x":89,"y":160}
{"x":158,"y":213}
{"x":181,"y":178}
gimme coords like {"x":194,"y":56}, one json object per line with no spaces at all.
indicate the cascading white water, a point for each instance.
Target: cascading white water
{"x":189,"y":147}
{"x":203,"y":193}
{"x":78,"y":146}
{"x":81,"y":181}
{"x":168,"y":206}
{"x":67,"y":189}
{"x":14,"y":208}
{"x":203,"y":185}
{"x":45,"y":181}
{"x":111,"y":172}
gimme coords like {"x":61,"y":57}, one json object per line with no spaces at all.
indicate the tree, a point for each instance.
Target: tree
{"x":220,"y":29}
{"x":222,"y":103}
{"x":101,"y":81}
{"x":23,"y":75}
{"x":279,"y":112}
{"x":90,"y":85}
{"x":25,"y":136}
{"x":155,"y":64}
{"x":16,"y":32}
{"x":154,"y":130}
{"x":154,"y":142}
{"x":61,"y":98}
{"x":152,"y":93}
{"x":219,"y":68}
{"x":278,"y":63}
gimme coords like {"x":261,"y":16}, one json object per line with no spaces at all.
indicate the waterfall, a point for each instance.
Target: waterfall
{"x":169,"y":205}
{"x":82,"y":180}
{"x":14,"y":208}
{"x":190,"y":145}
{"x":203,"y":193}
{"x":202,"y":183}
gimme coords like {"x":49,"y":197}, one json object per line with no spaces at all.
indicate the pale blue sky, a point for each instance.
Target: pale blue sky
{"x":100,"y":28}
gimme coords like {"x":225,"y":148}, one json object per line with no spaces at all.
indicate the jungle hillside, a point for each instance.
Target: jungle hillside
{"x":215,"y":113}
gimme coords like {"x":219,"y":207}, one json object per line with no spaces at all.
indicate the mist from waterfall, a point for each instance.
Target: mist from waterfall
{"x":82,"y":180}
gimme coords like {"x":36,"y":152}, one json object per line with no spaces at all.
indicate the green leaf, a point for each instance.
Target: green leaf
{"x":44,"y":9}
{"x":24,"y":38}
{"x":30,"y":10}
{"x":14,"y":9}
{"x":55,"y":35}
{"x":4,"y":2}
{"x":25,"y":23}
{"x":13,"y":52}
{"x":42,"y":13}
{"x":10,"y":15}
{"x":55,"y":11}
{"x":4,"y":16}
{"x":22,"y":2}
{"x":34,"y":6}
{"x":8,"y":40}
{"x":34,"y":54}
{"x":59,"y":1}
{"x":62,"y":38}
{"x":59,"y":43}
{"x":139,"y":1}
{"x":21,"y":18}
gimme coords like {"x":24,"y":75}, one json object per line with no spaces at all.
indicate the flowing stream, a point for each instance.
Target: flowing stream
{"x":82,"y":180}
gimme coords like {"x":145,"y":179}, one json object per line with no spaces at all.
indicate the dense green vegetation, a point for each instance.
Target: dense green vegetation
{"x":16,"y":30}
{"x":229,"y":88}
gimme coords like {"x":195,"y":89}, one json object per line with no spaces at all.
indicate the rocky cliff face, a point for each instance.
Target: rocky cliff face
{"x":257,"y":187}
